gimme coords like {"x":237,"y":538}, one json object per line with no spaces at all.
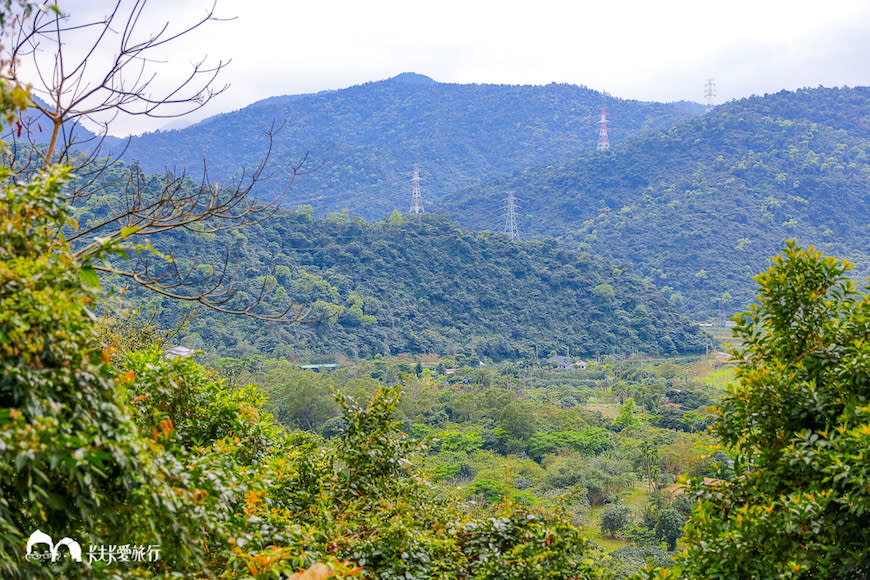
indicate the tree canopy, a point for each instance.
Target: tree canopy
{"x":796,"y":501}
{"x":699,"y":207}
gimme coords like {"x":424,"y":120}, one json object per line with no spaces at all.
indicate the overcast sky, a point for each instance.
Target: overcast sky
{"x":659,"y":50}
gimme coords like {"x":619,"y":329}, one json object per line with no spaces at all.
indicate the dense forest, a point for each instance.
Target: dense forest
{"x":473,"y":407}
{"x":723,"y":190}
{"x":417,"y":285}
{"x":487,"y":475}
{"x":364,"y":140}
{"x":698,"y":208}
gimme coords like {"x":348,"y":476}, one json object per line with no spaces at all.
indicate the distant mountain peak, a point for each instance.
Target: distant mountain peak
{"x":412,"y":78}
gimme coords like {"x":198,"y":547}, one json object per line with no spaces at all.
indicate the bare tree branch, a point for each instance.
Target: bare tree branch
{"x":68,"y":96}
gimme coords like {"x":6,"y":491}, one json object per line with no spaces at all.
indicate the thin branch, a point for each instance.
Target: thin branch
{"x":301,"y":314}
{"x":73,"y":95}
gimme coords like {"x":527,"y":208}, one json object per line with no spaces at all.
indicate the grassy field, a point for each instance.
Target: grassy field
{"x":608,"y":410}
{"x":636,"y":498}
{"x":724,"y":336}
{"x":714,"y":373}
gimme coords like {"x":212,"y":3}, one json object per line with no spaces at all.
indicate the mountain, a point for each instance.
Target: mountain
{"x":362,"y":142}
{"x":420,"y":284}
{"x":698,"y":208}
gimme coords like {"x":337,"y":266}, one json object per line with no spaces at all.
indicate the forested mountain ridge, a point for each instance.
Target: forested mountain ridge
{"x":365,"y":139}
{"x":698,"y":208}
{"x":419,"y":284}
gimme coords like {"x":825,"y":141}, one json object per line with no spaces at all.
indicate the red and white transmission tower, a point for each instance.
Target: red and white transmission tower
{"x":416,"y":198}
{"x":603,"y":141}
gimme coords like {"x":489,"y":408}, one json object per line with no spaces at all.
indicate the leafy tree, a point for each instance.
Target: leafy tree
{"x":68,"y":87}
{"x":627,"y":418}
{"x":796,"y":503}
{"x":302,"y":399}
{"x":68,"y":452}
{"x":669,"y":527}
{"x":650,"y":455}
{"x":615,"y":518}
{"x":629,"y":559}
{"x":518,"y":419}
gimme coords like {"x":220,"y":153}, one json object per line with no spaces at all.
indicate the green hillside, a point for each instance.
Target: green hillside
{"x":364,"y":140}
{"x":419,"y":284}
{"x":699,"y":208}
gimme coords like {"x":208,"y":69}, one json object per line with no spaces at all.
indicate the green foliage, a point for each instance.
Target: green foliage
{"x":164,"y":452}
{"x":461,"y":442}
{"x":427,"y":287}
{"x":615,"y":518}
{"x":372,"y":455}
{"x":664,"y":516}
{"x":519,"y":544}
{"x":600,"y":480}
{"x":627,"y":418}
{"x":364,"y":139}
{"x":518,"y":419}
{"x":588,"y":442}
{"x":669,"y":527}
{"x":201,"y":407}
{"x":105,"y":439}
{"x":153,"y":452}
{"x":302,"y":399}
{"x":631,"y":558}
{"x":69,"y":455}
{"x":376,"y":509}
{"x":698,"y":208}
{"x":135,"y":329}
{"x":795,"y":502}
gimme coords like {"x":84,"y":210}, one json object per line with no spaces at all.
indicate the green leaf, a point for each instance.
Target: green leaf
{"x":129,"y":231}
{"x":89,"y":276}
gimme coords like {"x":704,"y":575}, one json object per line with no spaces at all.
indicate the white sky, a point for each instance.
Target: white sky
{"x":641,"y":49}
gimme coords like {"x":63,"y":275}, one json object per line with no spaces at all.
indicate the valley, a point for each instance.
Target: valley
{"x":417,"y":329}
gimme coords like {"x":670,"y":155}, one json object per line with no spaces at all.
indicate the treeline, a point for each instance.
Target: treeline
{"x":364,"y":139}
{"x":698,"y":208}
{"x":417,"y":285}
{"x":104,"y":434}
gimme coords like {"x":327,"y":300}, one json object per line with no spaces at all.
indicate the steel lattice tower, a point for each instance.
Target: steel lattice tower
{"x":710,"y":93}
{"x":416,"y":198}
{"x":603,"y":141}
{"x":510,"y":222}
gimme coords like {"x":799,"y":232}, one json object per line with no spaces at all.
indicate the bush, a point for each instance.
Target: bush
{"x":795,"y":502}
{"x":615,"y":518}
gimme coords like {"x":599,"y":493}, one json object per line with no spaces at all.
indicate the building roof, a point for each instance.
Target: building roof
{"x":179,"y":352}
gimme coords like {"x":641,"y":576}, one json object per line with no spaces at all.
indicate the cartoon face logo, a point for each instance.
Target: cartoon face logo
{"x":38,"y":537}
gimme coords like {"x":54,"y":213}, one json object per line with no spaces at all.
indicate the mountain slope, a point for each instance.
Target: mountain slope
{"x":421,"y":285}
{"x":364,"y":140}
{"x":699,"y":208}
